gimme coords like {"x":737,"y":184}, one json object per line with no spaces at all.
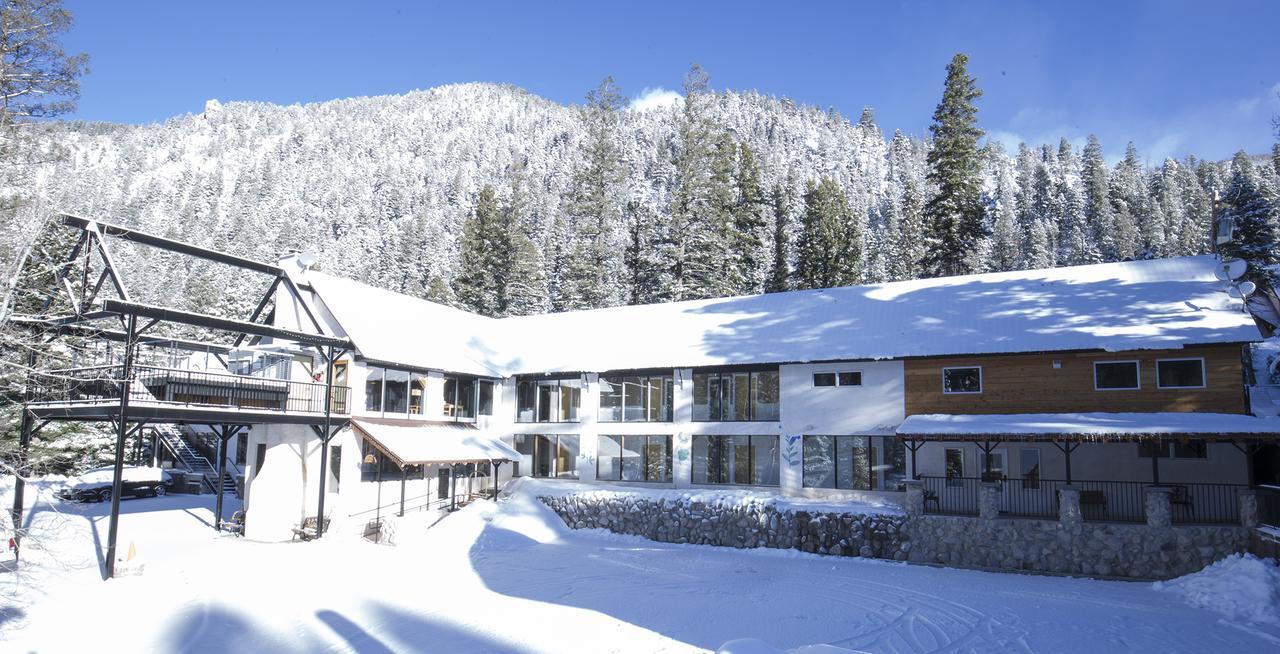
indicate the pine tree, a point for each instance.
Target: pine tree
{"x":829,"y":250}
{"x":643,"y":259}
{"x":746,"y":239}
{"x":476,"y":285}
{"x":954,"y":214}
{"x":912,"y":245}
{"x":691,"y":202}
{"x":1275,"y":158}
{"x":1128,"y":193}
{"x":1076,"y":243}
{"x":1097,"y":201}
{"x":1255,"y":218}
{"x":780,"y":268}
{"x":522,"y":280}
{"x":1006,"y":247}
{"x":593,"y":275}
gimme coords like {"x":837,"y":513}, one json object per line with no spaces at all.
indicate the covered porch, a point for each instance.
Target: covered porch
{"x":1202,"y":461}
{"x":401,"y":450}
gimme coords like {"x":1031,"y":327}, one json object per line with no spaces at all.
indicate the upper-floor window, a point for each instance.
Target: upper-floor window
{"x":394,"y":392}
{"x":1116,"y":375}
{"x":548,"y":400}
{"x":962,"y":379}
{"x":844,"y":378}
{"x":1180,"y":373}
{"x":735,"y":395}
{"x":636,"y":398}
{"x":459,"y":397}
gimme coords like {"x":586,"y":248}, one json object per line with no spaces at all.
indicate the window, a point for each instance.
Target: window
{"x":1174,"y":449}
{"x":735,"y":396}
{"x":417,"y":393}
{"x":373,"y":390}
{"x":548,"y":400}
{"x":485,"y":406}
{"x":824,"y":379}
{"x":853,"y":378}
{"x":242,"y":447}
{"x":636,"y":398}
{"x":846,"y":378}
{"x":962,"y":380}
{"x":1029,"y":467}
{"x":1115,"y":375}
{"x":547,"y":455}
{"x":1180,"y":373}
{"x":335,"y":466}
{"x":735,"y":460}
{"x":634,"y":458}
{"x":854,"y":462}
{"x":459,"y":397}
{"x":395,"y":394}
{"x":954,"y":461}
{"x":259,"y":458}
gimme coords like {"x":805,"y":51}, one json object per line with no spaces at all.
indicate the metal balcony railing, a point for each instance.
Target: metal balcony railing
{"x":186,"y":387}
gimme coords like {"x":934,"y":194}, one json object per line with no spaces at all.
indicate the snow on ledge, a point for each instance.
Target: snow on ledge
{"x":1100,"y":425}
{"x":721,"y":497}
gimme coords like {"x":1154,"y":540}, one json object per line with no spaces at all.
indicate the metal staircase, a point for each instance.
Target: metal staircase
{"x":182,"y":445}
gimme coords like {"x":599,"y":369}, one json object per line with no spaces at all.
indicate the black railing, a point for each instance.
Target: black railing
{"x":951,"y":495}
{"x":187,"y":387}
{"x":1100,"y":501}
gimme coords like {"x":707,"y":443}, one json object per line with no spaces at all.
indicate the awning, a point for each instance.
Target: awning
{"x":417,"y":442}
{"x":1089,"y":426}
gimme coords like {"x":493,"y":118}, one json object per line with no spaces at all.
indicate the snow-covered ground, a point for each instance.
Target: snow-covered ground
{"x":509,"y":577}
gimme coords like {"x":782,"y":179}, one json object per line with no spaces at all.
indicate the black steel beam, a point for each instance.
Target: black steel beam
{"x":127,"y":234}
{"x":222,"y":324}
{"x":118,"y":336}
{"x":109,"y":410}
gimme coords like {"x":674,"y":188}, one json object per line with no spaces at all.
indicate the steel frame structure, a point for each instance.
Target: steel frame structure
{"x":82,"y":292}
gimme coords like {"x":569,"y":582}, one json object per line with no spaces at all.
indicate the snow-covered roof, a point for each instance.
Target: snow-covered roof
{"x":413,"y":442}
{"x":1157,"y":304}
{"x":1093,"y":426}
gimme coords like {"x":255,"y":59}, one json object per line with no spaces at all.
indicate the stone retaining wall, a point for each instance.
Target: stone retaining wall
{"x":1156,"y":550}
{"x":743,"y":525}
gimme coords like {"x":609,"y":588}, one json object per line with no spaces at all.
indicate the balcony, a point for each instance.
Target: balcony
{"x":80,"y":388}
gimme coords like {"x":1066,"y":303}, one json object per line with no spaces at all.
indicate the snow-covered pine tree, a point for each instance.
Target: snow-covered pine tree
{"x":645,"y":267}
{"x":954,"y":214}
{"x":1076,"y":244}
{"x":780,"y":267}
{"x":1006,"y":236}
{"x":1256,"y":223}
{"x":691,"y":201}
{"x":1128,"y":198}
{"x":593,"y":276}
{"x":911,"y":241}
{"x":1098,"y":214}
{"x":522,"y":280}
{"x":829,"y":249}
{"x":747,"y":236}
{"x":476,"y":285}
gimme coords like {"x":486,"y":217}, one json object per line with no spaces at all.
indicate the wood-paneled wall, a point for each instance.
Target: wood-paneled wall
{"x":1028,"y":383}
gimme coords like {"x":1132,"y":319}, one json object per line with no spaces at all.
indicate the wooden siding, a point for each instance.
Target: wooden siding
{"x":1028,"y":383}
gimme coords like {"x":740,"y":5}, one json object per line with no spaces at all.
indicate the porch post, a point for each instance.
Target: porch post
{"x":914,"y":446}
{"x":122,"y":434}
{"x":222,"y":473}
{"x":402,"y":484}
{"x":494,"y":467}
{"x":1155,"y":461}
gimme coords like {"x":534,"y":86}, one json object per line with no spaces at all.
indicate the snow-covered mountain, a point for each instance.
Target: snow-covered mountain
{"x":379,"y":187}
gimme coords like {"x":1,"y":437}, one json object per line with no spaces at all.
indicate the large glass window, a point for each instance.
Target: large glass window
{"x":373,"y":390}
{"x":548,"y":400}
{"x":1115,"y":375}
{"x":395,"y":394}
{"x":855,"y":462}
{"x":735,"y":460}
{"x":417,"y":393}
{"x":735,"y":396}
{"x":1180,"y":373}
{"x":636,"y":398}
{"x":459,"y":397}
{"x":485,"y":406}
{"x":547,"y":455}
{"x":634,"y":458}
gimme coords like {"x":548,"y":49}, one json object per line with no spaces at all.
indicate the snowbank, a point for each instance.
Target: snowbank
{"x":1241,"y":587}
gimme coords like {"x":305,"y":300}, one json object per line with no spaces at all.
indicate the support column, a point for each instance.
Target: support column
{"x":1069,"y":506}
{"x":330,"y":358}
{"x":122,"y":434}
{"x":19,"y":483}
{"x":1249,"y":508}
{"x":1155,"y":461}
{"x":988,"y":500}
{"x":915,"y":498}
{"x":1159,"y":511}
{"x":402,"y":485}
{"x":227,"y":433}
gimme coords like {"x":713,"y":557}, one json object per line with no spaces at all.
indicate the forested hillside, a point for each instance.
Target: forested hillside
{"x":596,"y":204}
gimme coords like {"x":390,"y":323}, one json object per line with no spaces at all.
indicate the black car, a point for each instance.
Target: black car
{"x":95,"y":485}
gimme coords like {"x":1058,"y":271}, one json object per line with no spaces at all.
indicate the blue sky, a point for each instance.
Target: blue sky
{"x":1176,"y":77}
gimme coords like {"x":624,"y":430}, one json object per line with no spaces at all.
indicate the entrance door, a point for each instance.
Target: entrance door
{"x":442,"y":484}
{"x":998,"y":471}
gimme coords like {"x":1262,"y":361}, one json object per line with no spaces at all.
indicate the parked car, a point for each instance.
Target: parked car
{"x":95,"y":485}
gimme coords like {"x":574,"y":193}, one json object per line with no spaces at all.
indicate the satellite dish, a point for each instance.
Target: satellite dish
{"x":1234,"y":291}
{"x":1236,"y":268}
{"x":306,"y":260}
{"x":1220,"y":271}
{"x":1247,"y":288}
